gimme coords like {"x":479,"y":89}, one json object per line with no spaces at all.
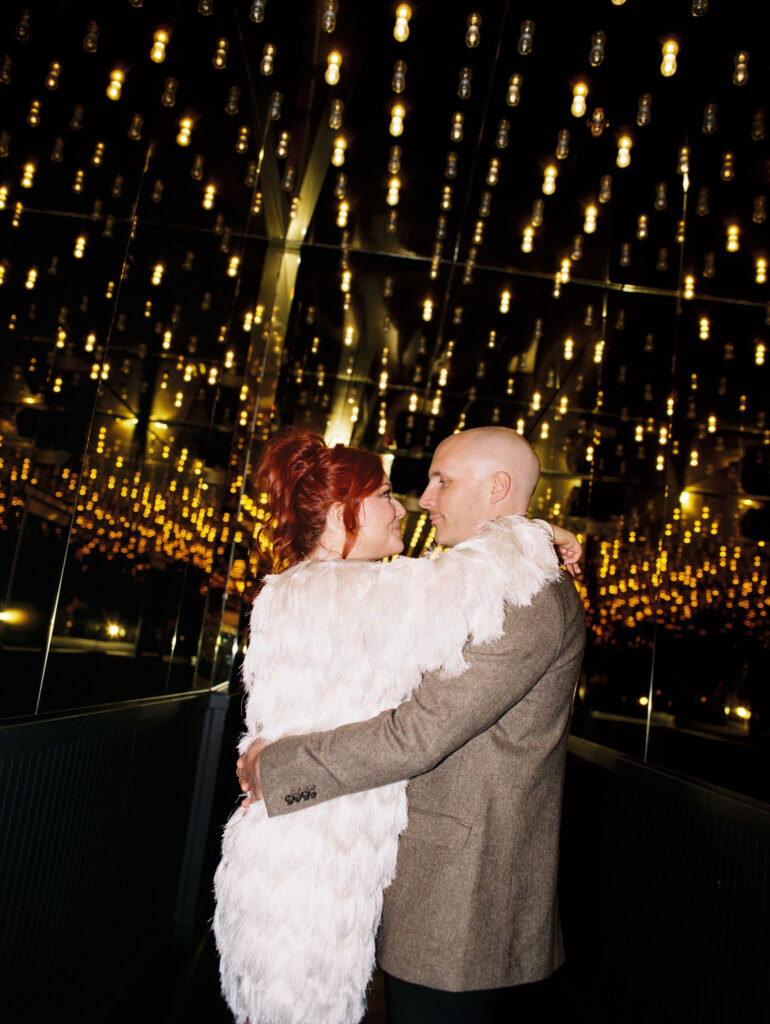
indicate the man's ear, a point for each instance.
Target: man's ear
{"x":501,"y":487}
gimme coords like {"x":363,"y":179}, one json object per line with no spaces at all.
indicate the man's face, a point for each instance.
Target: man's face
{"x":457,"y":492}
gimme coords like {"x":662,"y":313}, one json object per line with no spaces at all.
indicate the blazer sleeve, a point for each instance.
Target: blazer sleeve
{"x":440,"y":717}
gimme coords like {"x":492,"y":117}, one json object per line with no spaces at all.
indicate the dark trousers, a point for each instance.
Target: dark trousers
{"x":407,"y":1003}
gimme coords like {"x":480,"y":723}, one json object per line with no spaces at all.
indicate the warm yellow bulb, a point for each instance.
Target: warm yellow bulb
{"x":333,"y":64}
{"x":117,"y":77}
{"x":401,"y":28}
{"x":668,"y":65}
{"x":158,"y":51}
{"x":397,"y":113}
{"x":579,"y":93}
{"x":338,"y":152}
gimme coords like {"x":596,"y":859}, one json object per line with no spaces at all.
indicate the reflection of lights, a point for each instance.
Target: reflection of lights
{"x":644,"y":701}
{"x":113,"y":630}
{"x":13,"y":616}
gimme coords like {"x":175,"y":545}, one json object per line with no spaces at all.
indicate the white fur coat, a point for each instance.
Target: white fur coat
{"x":299,"y":896}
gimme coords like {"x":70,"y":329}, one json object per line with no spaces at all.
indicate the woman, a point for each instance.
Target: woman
{"x":337,"y":637}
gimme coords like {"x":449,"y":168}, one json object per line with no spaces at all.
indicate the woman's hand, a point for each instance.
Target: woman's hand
{"x":570,"y":549}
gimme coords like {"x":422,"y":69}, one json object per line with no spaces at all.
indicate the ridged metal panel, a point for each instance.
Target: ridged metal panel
{"x":665,"y":895}
{"x":93,"y":817}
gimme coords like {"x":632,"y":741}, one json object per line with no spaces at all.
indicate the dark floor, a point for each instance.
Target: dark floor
{"x":180,"y":985}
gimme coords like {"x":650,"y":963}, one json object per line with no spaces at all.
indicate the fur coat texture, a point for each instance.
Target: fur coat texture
{"x":299,"y":896}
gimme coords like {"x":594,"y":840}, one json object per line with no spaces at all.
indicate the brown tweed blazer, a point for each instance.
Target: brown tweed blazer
{"x":474,"y":902}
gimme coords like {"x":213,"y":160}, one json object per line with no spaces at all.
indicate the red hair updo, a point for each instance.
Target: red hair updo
{"x":303,"y":478}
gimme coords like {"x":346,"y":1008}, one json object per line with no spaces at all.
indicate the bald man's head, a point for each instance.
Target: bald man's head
{"x":478,"y":475}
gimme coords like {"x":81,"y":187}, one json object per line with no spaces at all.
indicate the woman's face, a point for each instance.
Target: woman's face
{"x":379,"y":529}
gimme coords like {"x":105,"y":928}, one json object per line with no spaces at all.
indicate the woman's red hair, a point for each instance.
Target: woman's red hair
{"x":303,"y":478}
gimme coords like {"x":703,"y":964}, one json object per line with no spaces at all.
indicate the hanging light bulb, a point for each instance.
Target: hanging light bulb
{"x":473,"y":34}
{"x":549,"y":180}
{"x":464,"y":85}
{"x":527,"y":239}
{"x":598,"y":122}
{"x":52,"y":78}
{"x":185,"y":130}
{"x":398,"y":82}
{"x":579,"y":93}
{"x":393,"y":191}
{"x":397,"y":114}
{"x":514,"y":91}
{"x":338,"y":151}
{"x":760,"y":272}
{"x":741,"y":71}
{"x":329,"y":16}
{"x":644,"y":113}
{"x":733,"y":243}
{"x":527,"y":31}
{"x":760,"y":210}
{"x":117,"y":77}
{"x":333,"y":64}
{"x":623,"y":158}
{"x":91,"y":38}
{"x":167,"y":97}
{"x":596,"y":53}
{"x":709,"y":119}
{"x":669,"y":50}
{"x":562,"y":144}
{"x":335,"y":115}
{"x":401,"y":28}
{"x":219,"y":60}
{"x":158,"y":50}
{"x":268,"y":58}
{"x":727,"y":172}
{"x":689,"y":286}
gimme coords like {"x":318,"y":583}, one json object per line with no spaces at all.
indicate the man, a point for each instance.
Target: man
{"x":472,"y":912}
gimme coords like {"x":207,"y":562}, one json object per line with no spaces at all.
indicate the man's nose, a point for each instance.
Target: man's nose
{"x":426,"y":501}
